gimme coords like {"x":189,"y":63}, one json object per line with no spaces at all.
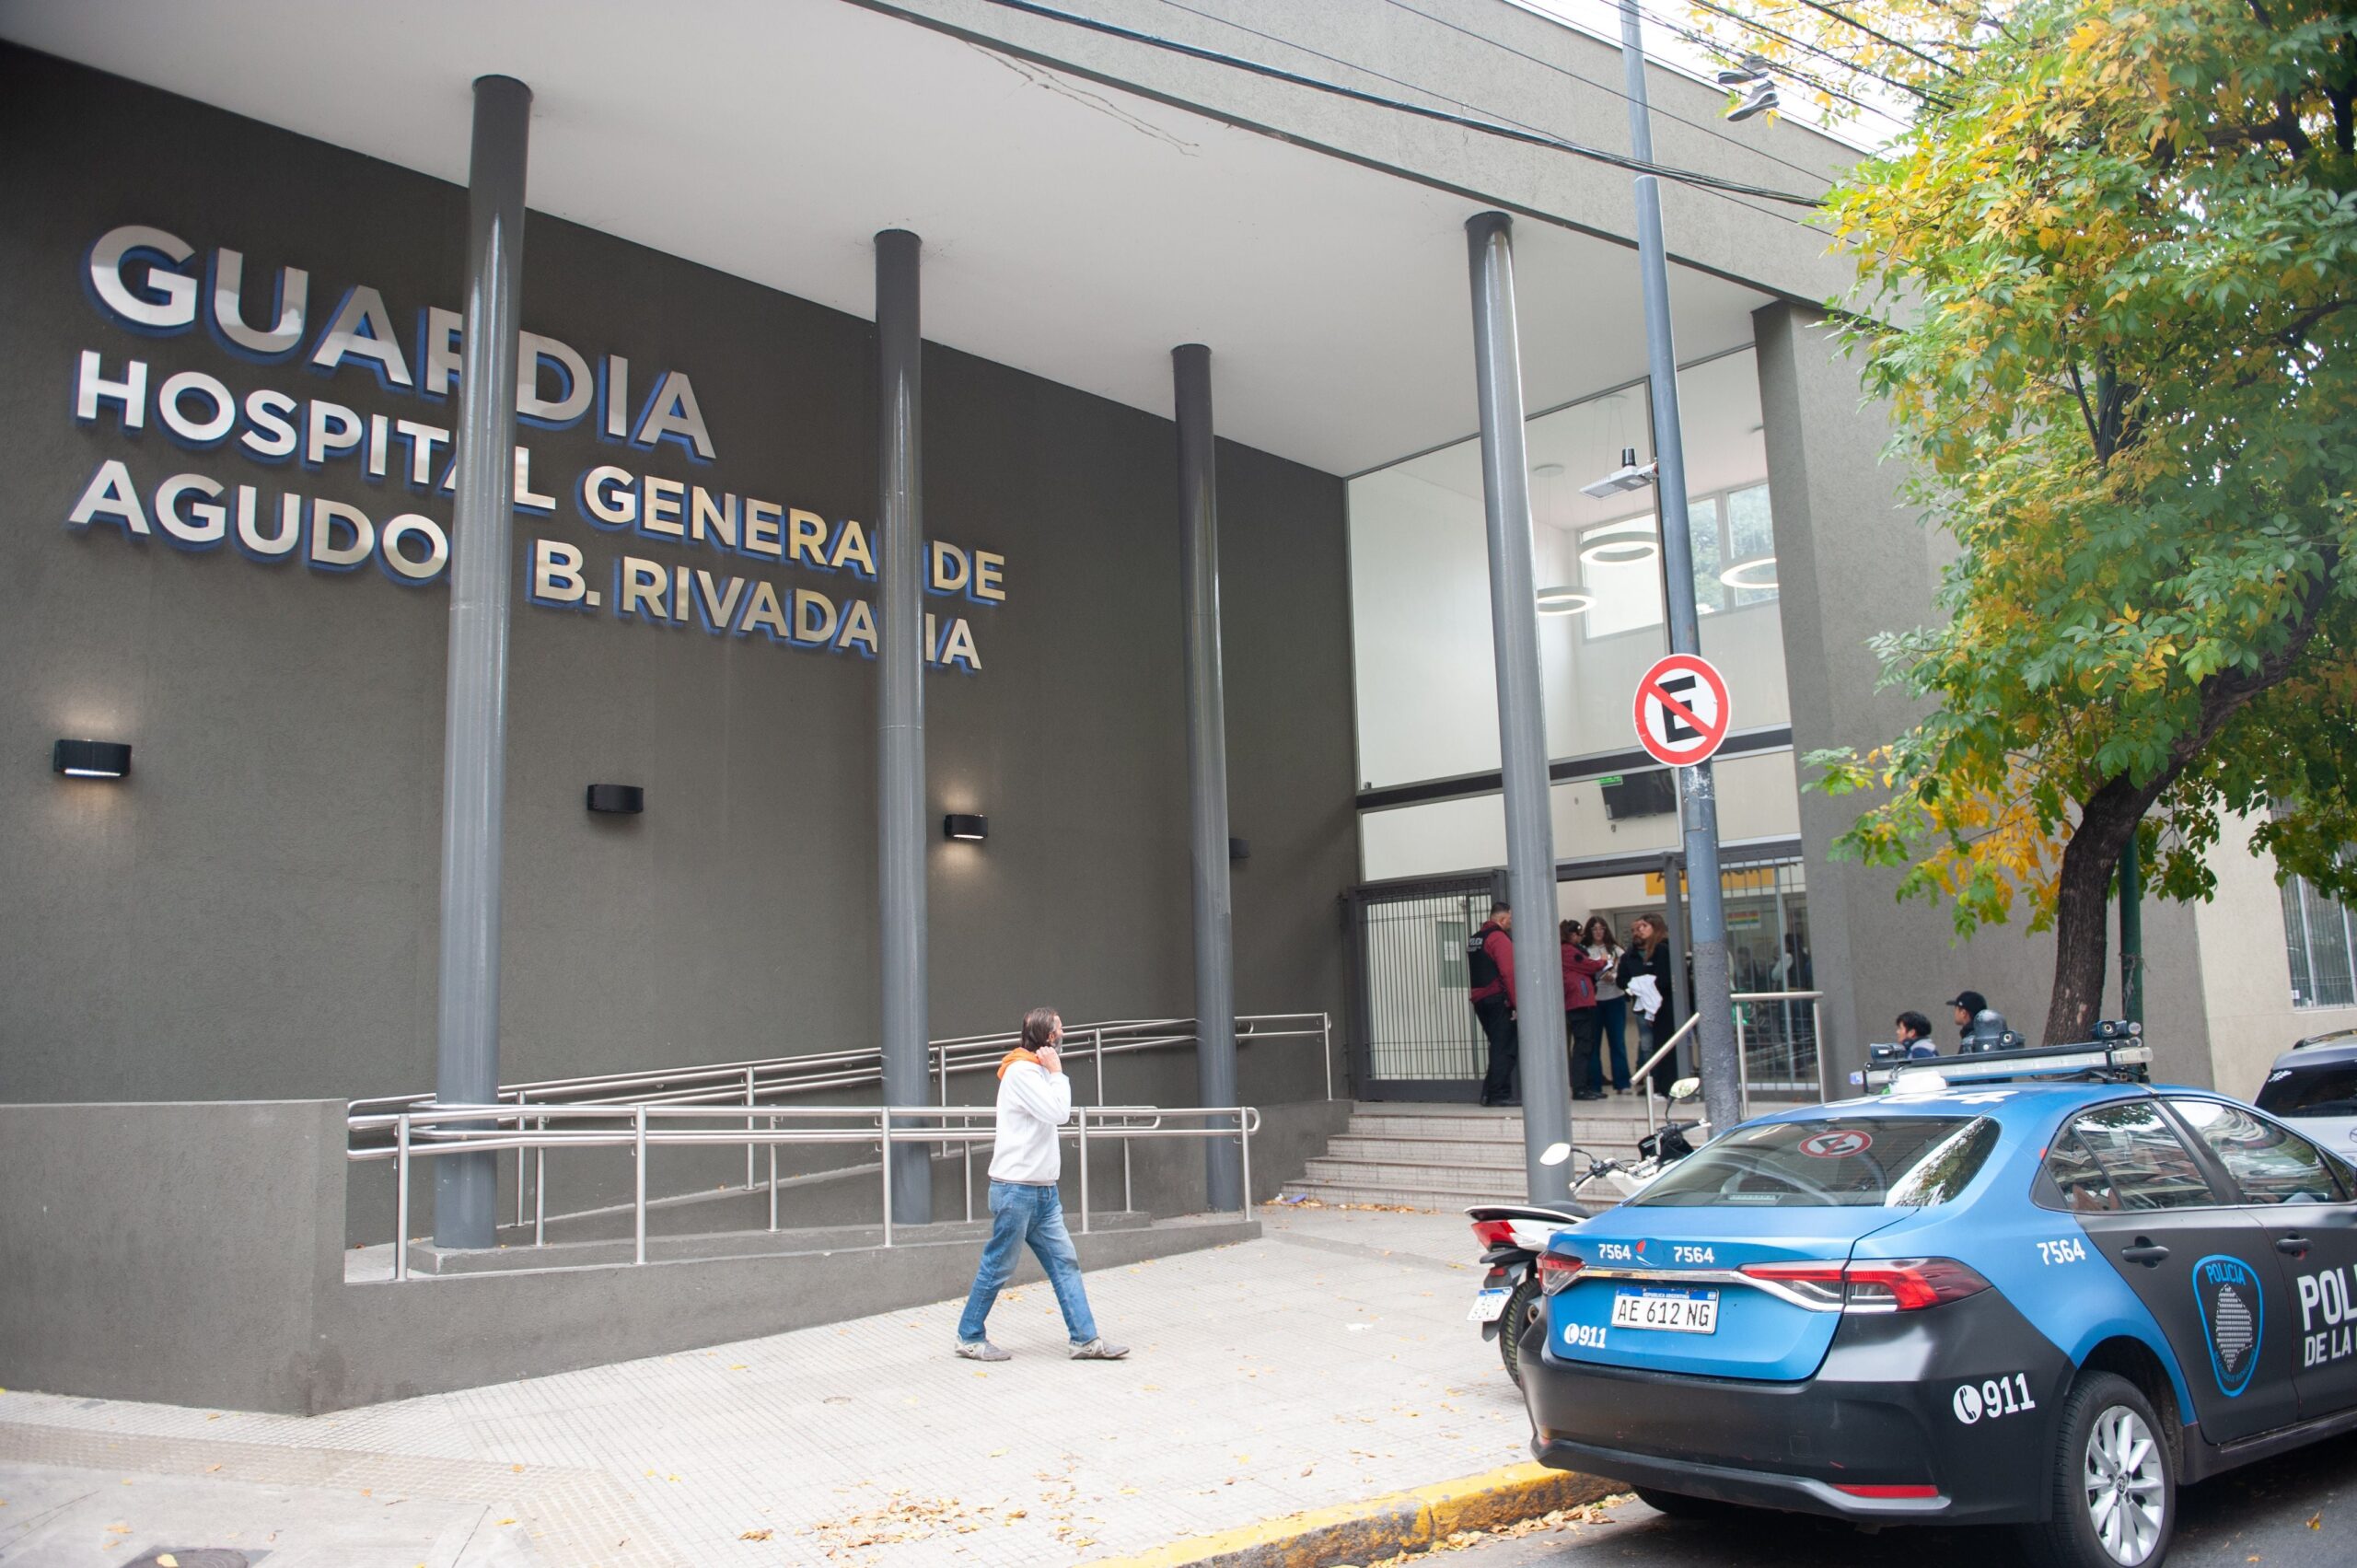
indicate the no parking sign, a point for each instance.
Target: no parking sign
{"x":1681,"y":710}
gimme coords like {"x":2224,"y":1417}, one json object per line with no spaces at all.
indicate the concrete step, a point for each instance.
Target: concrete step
{"x":1469,"y":1183}
{"x":1600,"y":1120}
{"x":1501,"y":1154}
{"x":1406,"y":1198}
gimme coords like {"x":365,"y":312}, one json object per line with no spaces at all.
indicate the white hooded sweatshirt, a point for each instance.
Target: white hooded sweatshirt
{"x":1033,"y":1103}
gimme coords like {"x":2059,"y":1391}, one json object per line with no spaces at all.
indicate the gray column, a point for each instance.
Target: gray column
{"x":902,"y":840}
{"x":1522,"y":709}
{"x":1698,"y":790}
{"x":1206,"y":766}
{"x":474,"y":735}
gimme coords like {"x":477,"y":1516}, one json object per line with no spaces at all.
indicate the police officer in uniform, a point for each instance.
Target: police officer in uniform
{"x":1489,"y":971}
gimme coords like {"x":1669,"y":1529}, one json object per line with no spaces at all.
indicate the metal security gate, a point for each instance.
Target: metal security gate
{"x":1412,"y":1033}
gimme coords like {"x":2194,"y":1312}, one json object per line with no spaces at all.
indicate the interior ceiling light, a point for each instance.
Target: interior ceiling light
{"x":1564,"y":600}
{"x":1735,"y":576}
{"x":1627,"y":477}
{"x":1622,"y":544}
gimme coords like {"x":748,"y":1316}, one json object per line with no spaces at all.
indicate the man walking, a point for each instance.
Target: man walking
{"x":1034,"y":1099}
{"x":1489,"y":973}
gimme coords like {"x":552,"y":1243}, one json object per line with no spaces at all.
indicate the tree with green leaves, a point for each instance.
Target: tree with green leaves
{"x":2108,"y":289}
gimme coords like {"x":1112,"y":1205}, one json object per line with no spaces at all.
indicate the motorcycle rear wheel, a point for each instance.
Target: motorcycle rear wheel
{"x":1522,"y":1307}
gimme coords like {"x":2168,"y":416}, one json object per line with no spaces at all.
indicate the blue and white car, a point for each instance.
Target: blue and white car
{"x":1977,"y":1300}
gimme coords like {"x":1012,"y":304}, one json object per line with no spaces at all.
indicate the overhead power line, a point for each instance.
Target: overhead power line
{"x":1766,"y":31}
{"x":1704,"y":126}
{"x":1472,"y":123}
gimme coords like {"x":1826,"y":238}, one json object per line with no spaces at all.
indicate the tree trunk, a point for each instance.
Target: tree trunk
{"x":2082,"y":908}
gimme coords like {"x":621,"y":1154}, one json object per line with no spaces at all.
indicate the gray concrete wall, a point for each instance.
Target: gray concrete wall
{"x":252,"y":912}
{"x":179,"y":1253}
{"x":190,"y":1254}
{"x":1853,"y":561}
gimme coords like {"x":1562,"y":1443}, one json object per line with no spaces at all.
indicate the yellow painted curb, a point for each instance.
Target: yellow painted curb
{"x":1381,"y":1526}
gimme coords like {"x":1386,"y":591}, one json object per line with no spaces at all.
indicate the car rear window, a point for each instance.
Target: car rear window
{"x":2327,"y":1089}
{"x":1854,"y":1162}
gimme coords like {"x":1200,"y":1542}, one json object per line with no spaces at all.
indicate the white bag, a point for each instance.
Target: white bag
{"x":1646,"y":991}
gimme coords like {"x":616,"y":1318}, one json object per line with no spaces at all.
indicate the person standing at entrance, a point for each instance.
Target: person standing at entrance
{"x":1648,"y":959}
{"x":1489,"y":973}
{"x":1582,"y":1024}
{"x":1034,"y":1099}
{"x":1612,"y":1002}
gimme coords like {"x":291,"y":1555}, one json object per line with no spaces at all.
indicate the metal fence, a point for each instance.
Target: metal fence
{"x":421,"y":1132}
{"x":757,"y":1085}
{"x":1412,"y":1035}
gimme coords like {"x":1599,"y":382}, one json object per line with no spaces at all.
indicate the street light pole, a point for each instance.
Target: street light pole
{"x":1698,"y":794}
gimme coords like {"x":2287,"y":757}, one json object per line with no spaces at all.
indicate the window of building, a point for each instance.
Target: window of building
{"x":2323,"y":958}
{"x":1735,"y":562}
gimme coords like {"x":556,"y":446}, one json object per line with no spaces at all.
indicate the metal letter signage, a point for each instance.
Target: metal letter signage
{"x":1682,"y":710}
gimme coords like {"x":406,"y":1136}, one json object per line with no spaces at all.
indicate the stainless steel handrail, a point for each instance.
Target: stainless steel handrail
{"x":1644,"y":1071}
{"x":1742,"y":1062}
{"x":1743,"y":1044}
{"x":421,"y":1133}
{"x":962,"y":1053}
{"x":747,"y":1082}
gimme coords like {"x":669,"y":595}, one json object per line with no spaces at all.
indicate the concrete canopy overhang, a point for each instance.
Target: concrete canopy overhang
{"x":1074,"y":229}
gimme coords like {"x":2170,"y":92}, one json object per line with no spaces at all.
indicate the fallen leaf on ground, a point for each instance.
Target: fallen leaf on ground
{"x":756,"y":1535}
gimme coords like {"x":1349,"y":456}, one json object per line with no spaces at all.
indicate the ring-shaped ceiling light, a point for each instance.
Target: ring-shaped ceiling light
{"x":1620,"y":552}
{"x":1564,"y":600}
{"x":1733,"y":576}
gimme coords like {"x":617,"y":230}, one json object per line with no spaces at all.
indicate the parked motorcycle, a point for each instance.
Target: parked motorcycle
{"x":1514,"y":1236}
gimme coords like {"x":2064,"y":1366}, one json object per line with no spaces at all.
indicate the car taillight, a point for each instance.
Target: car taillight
{"x":1893,"y":1284}
{"x":1493,"y":1232}
{"x":1555,"y":1271}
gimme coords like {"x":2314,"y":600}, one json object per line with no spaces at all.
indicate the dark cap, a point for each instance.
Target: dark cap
{"x":1970,"y":1001}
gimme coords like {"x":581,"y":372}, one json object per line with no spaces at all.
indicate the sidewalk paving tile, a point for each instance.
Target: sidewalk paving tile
{"x":1330,"y":1360}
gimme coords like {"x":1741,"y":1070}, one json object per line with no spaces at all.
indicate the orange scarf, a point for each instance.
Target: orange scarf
{"x":1017,"y":1054}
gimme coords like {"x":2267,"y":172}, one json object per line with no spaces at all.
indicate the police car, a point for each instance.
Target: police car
{"x":1988,"y":1296}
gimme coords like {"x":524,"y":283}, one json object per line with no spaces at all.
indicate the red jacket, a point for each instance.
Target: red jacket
{"x":1499,"y":948}
{"x":1579,"y":977}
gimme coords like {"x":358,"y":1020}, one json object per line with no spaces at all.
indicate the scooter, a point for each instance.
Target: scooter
{"x":1514,"y":1235}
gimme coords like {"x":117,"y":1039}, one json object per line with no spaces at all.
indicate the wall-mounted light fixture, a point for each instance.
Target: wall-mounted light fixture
{"x":620,"y":800}
{"x":91,"y":758}
{"x":1239,"y":849}
{"x":969,"y":826}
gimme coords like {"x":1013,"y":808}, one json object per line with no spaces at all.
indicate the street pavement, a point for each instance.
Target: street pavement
{"x":1328,"y":1362}
{"x":2298,"y":1511}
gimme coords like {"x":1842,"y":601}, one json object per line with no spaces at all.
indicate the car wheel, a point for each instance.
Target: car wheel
{"x":1677,"y":1505}
{"x":1522,"y":1308}
{"x":2113,"y":1481}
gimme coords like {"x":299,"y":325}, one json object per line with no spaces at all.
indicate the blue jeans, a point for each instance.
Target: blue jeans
{"x":1614,"y":1014}
{"x":1022,"y":1213}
